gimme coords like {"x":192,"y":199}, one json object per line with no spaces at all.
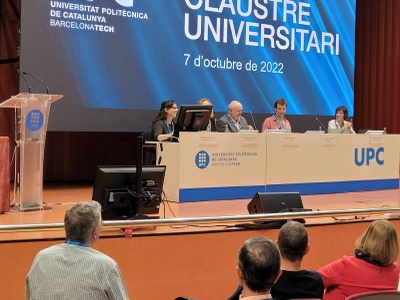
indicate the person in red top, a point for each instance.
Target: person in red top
{"x":373,"y":267}
{"x":277,"y":121}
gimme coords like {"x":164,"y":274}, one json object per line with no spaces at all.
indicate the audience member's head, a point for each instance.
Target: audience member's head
{"x":293,"y":241}
{"x":258,"y":264}
{"x":235,"y":110}
{"x":82,"y":222}
{"x":205,"y":101}
{"x":380,"y":242}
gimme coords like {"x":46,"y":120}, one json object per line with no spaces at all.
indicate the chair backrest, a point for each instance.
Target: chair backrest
{"x":376,"y":295}
{"x":149,"y":150}
{"x":146,"y":136}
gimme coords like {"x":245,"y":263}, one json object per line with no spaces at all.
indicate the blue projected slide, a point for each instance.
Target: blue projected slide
{"x":115,"y":61}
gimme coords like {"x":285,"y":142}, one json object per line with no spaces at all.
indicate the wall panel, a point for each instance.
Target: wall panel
{"x":377,"y":71}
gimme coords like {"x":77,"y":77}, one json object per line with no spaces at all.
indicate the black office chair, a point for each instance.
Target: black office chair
{"x":376,"y":295}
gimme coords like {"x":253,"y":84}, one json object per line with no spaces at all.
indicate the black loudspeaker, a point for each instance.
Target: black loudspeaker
{"x":275,"y":203}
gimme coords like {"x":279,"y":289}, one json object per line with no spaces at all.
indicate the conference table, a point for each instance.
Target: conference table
{"x":217,"y":166}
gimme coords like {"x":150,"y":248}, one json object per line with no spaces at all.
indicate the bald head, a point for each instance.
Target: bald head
{"x":235,"y":109}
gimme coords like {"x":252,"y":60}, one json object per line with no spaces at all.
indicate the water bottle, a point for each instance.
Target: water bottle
{"x":384,"y":130}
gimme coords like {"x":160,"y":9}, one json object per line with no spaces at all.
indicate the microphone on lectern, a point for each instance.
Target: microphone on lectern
{"x":26,"y":80}
{"x":38,"y":79}
{"x":322,"y":125}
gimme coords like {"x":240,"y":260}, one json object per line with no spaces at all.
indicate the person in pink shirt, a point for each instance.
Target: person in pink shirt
{"x":277,"y":121}
{"x":373,"y":267}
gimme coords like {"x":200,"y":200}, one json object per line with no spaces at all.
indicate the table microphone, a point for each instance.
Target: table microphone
{"x":254,"y":123}
{"x":322,"y":125}
{"x":38,"y":79}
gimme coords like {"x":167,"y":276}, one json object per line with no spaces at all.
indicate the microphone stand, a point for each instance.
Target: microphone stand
{"x":254,"y":123}
{"x":38,"y":79}
{"x":322,"y":125}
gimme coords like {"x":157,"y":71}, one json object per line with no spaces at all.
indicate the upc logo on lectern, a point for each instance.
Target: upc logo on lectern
{"x":202,"y":159}
{"x":34,"y":120}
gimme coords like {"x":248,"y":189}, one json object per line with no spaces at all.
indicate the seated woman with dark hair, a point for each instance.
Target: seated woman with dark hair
{"x":341,"y":114}
{"x":163,"y":124}
{"x":373,"y":267}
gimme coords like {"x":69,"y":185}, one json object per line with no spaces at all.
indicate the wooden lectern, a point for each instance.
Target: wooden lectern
{"x":32,"y":115}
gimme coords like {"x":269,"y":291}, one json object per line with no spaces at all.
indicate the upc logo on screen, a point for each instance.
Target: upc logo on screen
{"x":126,"y":3}
{"x":202,"y":159}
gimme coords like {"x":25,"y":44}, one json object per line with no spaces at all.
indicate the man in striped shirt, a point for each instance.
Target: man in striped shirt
{"x":74,"y":270}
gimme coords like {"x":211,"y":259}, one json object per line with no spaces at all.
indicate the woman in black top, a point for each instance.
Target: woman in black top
{"x":163,"y":124}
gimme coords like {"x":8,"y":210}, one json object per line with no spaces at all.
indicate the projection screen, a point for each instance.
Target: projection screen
{"x":115,"y":61}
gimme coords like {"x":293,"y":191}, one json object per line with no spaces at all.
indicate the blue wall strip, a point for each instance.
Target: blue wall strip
{"x":219,"y":193}
{"x":240,"y":192}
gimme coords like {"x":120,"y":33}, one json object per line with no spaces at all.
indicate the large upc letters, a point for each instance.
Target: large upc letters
{"x":368,"y":155}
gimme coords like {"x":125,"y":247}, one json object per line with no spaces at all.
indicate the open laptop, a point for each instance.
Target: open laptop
{"x":283,"y":130}
{"x":314,"y":132}
{"x":248,"y":131}
{"x":375,"y":131}
{"x":275,"y":203}
{"x":338,"y":131}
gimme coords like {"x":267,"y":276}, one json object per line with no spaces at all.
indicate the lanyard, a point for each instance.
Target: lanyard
{"x":338,"y":125}
{"x":76,"y":243}
{"x":277,"y":122}
{"x":170,"y":128}
{"x":237,"y":125}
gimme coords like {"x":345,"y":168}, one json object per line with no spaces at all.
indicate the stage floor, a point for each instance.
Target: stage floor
{"x":58,"y":197}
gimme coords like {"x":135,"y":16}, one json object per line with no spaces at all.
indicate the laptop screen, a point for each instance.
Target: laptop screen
{"x":338,"y":131}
